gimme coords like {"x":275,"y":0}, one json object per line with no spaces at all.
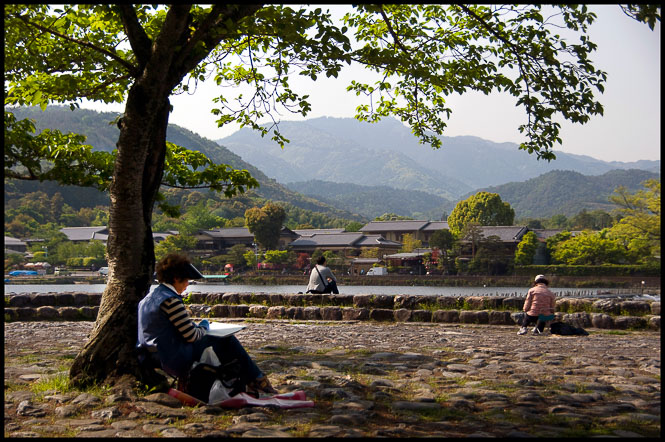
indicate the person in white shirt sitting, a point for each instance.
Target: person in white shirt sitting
{"x":321,"y":278}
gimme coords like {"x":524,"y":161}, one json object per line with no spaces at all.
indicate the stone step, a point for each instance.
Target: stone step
{"x":613,"y":306}
{"x":336,"y":313}
{"x":604,"y":313}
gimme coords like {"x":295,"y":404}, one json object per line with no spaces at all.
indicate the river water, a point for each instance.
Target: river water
{"x":346,"y":289}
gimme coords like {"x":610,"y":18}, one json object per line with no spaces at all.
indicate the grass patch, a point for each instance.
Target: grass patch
{"x":427,"y":306}
{"x":58,"y":382}
{"x":360,"y":352}
{"x":636,"y":314}
{"x":68,"y":433}
{"x":11,"y":387}
{"x":301,"y":429}
{"x":574,"y":427}
{"x":611,"y":332}
{"x":437,"y":414}
{"x":501,"y":416}
{"x":644,"y":428}
{"x":279,"y":348}
{"x":29,"y":357}
{"x":503,"y":387}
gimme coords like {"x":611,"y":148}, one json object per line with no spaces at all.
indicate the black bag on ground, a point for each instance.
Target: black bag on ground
{"x":561,"y":328}
{"x":201,"y":377}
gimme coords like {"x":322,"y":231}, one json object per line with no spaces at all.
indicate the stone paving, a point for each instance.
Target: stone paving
{"x":367,"y":378}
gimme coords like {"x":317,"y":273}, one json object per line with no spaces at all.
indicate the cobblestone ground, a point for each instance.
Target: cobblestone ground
{"x":367,"y":379}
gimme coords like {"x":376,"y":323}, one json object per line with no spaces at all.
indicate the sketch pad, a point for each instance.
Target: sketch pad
{"x":222,"y":329}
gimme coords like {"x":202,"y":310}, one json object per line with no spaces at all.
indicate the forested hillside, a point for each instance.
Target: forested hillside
{"x":343,"y":150}
{"x":567,"y":192}
{"x":102,"y":132}
{"x":554,"y":193}
{"x":314,"y":153}
{"x":374,"y":201}
{"x":323,"y":203}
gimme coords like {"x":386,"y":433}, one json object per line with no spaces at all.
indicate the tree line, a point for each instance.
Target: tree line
{"x":628,"y":235}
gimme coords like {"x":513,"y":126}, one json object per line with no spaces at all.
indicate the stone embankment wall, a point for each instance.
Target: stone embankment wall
{"x":604,"y":313}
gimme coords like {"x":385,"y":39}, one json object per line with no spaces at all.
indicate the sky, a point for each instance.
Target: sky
{"x":628,"y":131}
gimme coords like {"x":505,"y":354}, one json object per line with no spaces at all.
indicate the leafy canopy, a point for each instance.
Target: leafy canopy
{"x":420,"y":53}
{"x":442,"y":239}
{"x":639,"y":227}
{"x":483,"y":208}
{"x":265,"y":224}
{"x":526,"y":249}
{"x":589,"y":248}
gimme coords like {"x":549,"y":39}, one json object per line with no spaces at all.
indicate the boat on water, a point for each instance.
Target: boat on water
{"x":211,"y":279}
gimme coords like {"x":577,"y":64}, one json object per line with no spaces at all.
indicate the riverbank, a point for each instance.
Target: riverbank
{"x":367,"y":379}
{"x":604,"y":313}
{"x":651,"y":284}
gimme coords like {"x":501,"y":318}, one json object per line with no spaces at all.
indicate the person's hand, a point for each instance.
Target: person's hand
{"x":204,"y":324}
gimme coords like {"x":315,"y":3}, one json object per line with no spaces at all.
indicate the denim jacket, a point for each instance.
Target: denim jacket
{"x":156,"y":332}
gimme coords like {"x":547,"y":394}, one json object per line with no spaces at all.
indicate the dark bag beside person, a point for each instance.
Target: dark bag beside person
{"x":561,"y":328}
{"x":201,"y":377}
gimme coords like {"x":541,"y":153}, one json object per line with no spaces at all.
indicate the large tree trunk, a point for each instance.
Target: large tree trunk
{"x":162,"y":63}
{"x":110,"y":351}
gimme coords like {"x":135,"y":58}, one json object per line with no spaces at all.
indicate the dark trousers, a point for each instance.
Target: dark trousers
{"x":533,"y":319}
{"x":227,"y":349}
{"x":331,"y":287}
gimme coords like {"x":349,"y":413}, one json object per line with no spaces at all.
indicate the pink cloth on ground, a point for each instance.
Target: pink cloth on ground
{"x":295,"y":399}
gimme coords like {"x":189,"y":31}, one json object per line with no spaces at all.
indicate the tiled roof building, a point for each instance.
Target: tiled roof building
{"x":348,"y":242}
{"x":395,"y":230}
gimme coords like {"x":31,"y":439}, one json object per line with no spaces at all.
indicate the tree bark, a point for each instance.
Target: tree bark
{"x":110,"y":351}
{"x":162,"y":63}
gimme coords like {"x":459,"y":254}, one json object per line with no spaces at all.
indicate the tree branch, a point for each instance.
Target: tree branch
{"x":207,"y":23}
{"x":138,"y":39}
{"x":105,"y":84}
{"x":188,"y":58}
{"x":12,"y":174}
{"x":168,"y":43}
{"x":131,"y":68}
{"x":393,"y":33}
{"x":513,"y":49}
{"x":206,"y":186}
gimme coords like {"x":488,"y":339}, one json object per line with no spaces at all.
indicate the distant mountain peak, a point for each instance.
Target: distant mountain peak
{"x":345,"y":150}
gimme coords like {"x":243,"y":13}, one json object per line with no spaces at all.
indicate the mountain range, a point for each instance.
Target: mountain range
{"x":374,"y":201}
{"x":102,"y":134}
{"x":358,"y":171}
{"x":562,"y":192}
{"x":344,"y":150}
{"x":567,"y":192}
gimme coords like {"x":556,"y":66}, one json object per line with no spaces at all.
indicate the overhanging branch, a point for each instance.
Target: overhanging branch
{"x":138,"y":39}
{"x":188,"y":58}
{"x":131,"y":68}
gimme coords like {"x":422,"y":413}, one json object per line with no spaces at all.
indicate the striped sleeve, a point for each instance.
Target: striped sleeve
{"x":179,"y":317}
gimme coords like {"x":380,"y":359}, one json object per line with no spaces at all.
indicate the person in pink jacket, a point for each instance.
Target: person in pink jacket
{"x":539,"y":303}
